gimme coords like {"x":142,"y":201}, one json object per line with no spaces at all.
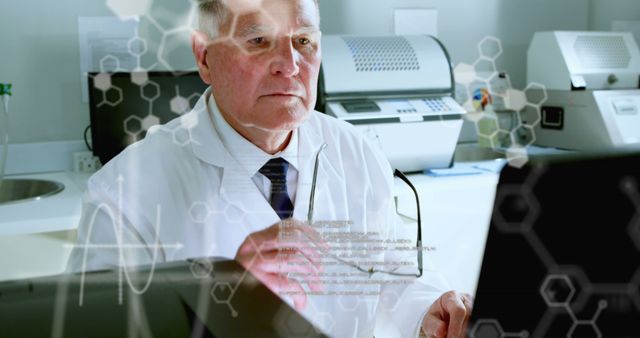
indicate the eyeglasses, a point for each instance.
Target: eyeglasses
{"x":371,"y":271}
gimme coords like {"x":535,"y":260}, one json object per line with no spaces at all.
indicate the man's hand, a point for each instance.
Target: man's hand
{"x":284,"y":248}
{"x":448,"y":316}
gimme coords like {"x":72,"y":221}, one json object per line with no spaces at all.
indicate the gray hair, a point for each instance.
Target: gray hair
{"x":213,"y":13}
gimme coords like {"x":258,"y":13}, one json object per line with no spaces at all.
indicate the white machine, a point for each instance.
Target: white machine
{"x":592,"y":80}
{"x":398,"y":90}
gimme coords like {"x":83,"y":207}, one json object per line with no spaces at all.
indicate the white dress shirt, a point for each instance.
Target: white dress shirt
{"x":252,"y":158}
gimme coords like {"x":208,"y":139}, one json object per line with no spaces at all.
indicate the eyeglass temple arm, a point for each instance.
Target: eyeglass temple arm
{"x":312,"y":198}
{"x":404,"y":178}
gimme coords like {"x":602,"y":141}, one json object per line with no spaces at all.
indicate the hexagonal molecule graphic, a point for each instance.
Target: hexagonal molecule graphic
{"x":491,"y":328}
{"x":180,"y":105}
{"x":629,"y":186}
{"x":584,"y":330}
{"x":464,"y":73}
{"x":181,"y":136}
{"x":102,"y":81}
{"x":487,"y":329}
{"x":221,"y":292}
{"x":133,"y":125}
{"x":201,"y":269}
{"x":515,"y":99}
{"x":139,"y":77}
{"x":149,"y":122}
{"x":349,"y":303}
{"x":515,"y":210}
{"x":150,"y":91}
{"x":490,"y":48}
{"x":111,"y":97}
{"x":482,"y":91}
{"x":199,"y":212}
{"x":557,"y":290}
{"x":109,"y":63}
{"x":517,"y":156}
{"x":137,"y":46}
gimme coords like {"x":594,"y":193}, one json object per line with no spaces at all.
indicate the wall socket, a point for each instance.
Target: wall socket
{"x":85,"y":162}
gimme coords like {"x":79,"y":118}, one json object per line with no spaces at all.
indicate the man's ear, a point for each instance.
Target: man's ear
{"x":199,"y":42}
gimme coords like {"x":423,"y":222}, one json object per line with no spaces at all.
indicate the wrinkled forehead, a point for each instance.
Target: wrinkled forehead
{"x":274,"y":16}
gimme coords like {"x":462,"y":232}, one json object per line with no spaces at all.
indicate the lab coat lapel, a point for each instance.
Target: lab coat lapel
{"x":244,"y":202}
{"x":309,"y":142}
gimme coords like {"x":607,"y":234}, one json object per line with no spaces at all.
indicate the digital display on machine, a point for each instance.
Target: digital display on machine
{"x":361,"y":107}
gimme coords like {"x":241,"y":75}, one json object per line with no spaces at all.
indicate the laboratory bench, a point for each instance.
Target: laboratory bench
{"x":34,"y":233}
{"x":456,"y":204}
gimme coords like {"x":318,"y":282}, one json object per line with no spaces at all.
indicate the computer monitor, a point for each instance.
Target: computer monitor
{"x":562,"y":257}
{"x":196,"y":298}
{"x":123,"y":106}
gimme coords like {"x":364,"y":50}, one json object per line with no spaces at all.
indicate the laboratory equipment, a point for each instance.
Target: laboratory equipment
{"x":398,"y":91}
{"x":591,"y":83}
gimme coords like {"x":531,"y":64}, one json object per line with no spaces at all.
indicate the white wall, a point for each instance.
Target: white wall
{"x":603,"y":12}
{"x":39,"y":55}
{"x":462,"y":24}
{"x":39,"y":45}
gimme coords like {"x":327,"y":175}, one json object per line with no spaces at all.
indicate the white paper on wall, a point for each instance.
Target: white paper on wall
{"x":104,"y":46}
{"x":415,"y":21}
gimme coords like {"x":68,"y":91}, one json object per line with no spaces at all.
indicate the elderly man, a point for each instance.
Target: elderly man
{"x":238,"y":183}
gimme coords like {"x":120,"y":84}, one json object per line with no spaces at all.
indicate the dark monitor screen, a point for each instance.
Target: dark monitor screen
{"x":123,"y":106}
{"x":562,"y":257}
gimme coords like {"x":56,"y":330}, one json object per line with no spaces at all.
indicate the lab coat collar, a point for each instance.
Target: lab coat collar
{"x":237,"y":184}
{"x":247,"y":154}
{"x":205,"y":142}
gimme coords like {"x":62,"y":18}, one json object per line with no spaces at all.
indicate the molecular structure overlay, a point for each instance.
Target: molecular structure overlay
{"x":563,"y":255}
{"x":570,"y":296}
{"x":504,"y":117}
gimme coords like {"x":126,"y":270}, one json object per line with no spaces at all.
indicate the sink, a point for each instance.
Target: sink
{"x":476,"y":153}
{"x":23,"y":190}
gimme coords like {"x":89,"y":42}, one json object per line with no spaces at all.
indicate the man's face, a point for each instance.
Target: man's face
{"x":264,"y":68}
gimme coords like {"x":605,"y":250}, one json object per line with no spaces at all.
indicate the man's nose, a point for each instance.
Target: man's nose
{"x":285,"y":62}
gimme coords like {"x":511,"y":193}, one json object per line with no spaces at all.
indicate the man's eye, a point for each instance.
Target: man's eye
{"x":257,"y":41}
{"x":304,"y":41}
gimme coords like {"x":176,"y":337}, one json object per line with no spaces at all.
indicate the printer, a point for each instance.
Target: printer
{"x":592,"y":82}
{"x":398,"y":91}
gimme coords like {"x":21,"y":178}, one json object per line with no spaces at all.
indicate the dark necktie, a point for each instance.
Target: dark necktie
{"x":276,"y":171}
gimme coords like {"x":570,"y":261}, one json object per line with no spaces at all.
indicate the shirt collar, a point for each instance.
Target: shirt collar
{"x":250,"y":156}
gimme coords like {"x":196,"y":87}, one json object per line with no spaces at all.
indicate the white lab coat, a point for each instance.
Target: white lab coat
{"x":180,"y":190}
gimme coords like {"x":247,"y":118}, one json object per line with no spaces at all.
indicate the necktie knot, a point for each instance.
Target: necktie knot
{"x":275,"y":170}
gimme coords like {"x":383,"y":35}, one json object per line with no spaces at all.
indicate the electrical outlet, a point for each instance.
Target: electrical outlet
{"x":85,"y":162}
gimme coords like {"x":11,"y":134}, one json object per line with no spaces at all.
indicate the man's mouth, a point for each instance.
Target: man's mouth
{"x":282,"y":94}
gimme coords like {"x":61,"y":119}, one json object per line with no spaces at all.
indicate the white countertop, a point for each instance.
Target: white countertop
{"x":456,"y":206}
{"x":55,"y":213}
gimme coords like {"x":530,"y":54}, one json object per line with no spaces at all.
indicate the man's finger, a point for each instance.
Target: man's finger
{"x":285,"y":263}
{"x":457,"y":314}
{"x":313,"y":235}
{"x":282,"y":285}
{"x":434,"y":326}
{"x":467,"y":300}
{"x":294,"y":240}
